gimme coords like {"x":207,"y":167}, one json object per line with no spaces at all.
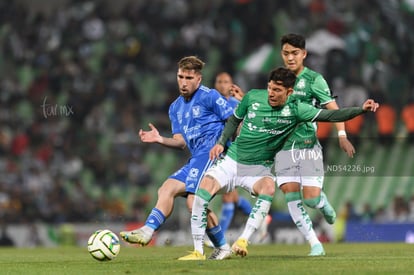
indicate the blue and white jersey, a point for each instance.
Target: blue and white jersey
{"x":201,"y":119}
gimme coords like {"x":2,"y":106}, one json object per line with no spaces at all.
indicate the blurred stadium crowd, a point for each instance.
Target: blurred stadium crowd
{"x":78,"y":82}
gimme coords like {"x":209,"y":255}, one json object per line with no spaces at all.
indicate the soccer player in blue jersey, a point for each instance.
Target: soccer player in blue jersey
{"x":197,"y":119}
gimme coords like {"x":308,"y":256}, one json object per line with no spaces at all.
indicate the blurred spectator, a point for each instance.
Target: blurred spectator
{"x":349,"y":213}
{"x":381,"y":215}
{"x":399,"y":209}
{"x":367,"y":214}
{"x":411,"y":208}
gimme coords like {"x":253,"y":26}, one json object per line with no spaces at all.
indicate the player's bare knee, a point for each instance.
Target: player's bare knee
{"x":290,"y":187}
{"x":267,"y":189}
{"x":164,"y":191}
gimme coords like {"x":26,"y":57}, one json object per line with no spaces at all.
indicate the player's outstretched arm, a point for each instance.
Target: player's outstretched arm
{"x":344,"y":142}
{"x":153,"y":136}
{"x":346,"y":113}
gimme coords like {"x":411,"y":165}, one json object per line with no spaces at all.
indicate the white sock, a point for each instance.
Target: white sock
{"x":300,"y":217}
{"x":199,"y":220}
{"x":256,"y":217}
{"x":148,"y":230}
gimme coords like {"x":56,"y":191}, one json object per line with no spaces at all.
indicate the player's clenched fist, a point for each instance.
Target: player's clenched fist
{"x":370,"y":105}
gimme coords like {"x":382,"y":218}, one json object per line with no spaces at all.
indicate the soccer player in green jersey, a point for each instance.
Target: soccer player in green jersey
{"x":268,"y":120}
{"x":300,"y":164}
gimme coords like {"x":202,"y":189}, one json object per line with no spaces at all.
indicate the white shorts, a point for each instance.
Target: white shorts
{"x":300,"y":165}
{"x":230,"y":174}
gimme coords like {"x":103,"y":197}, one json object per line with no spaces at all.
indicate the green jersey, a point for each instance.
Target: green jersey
{"x":266,"y":128}
{"x":310,"y":87}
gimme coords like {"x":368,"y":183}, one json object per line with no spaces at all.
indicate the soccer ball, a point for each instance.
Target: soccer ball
{"x":104,"y":245}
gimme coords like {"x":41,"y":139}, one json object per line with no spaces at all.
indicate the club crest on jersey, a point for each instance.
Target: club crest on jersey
{"x":251,"y":115}
{"x":196,"y":111}
{"x":286,"y":111}
{"x":193,"y":173}
{"x":301,"y":84}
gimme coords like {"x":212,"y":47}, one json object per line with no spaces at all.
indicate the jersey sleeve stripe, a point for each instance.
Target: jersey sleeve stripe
{"x":326,"y":102}
{"x":317,"y":114}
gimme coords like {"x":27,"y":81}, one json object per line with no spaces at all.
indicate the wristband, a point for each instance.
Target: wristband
{"x":341,"y":133}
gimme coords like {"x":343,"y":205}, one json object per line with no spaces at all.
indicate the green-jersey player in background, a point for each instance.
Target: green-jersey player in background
{"x":300,"y":164}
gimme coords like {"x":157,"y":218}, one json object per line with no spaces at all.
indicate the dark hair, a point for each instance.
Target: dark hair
{"x":296,"y":40}
{"x":191,"y":63}
{"x":283,"y":76}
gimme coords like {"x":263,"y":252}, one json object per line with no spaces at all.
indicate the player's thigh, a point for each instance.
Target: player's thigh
{"x":171,"y":188}
{"x":265,"y":186}
{"x":287,"y":167}
{"x":255,"y":179}
{"x":221,"y":175}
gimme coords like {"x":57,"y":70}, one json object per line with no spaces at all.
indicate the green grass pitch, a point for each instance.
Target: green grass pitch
{"x":361,"y":258}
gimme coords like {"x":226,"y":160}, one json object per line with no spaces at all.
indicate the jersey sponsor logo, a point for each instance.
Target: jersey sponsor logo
{"x":251,"y":115}
{"x":283,"y":121}
{"x":192,"y":132}
{"x":299,"y":93}
{"x":271,"y":131}
{"x":286,"y":111}
{"x":279,"y":120}
{"x":220,"y":101}
{"x":196,"y":111}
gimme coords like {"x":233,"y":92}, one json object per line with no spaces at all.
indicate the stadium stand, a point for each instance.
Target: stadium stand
{"x":80,"y":78}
